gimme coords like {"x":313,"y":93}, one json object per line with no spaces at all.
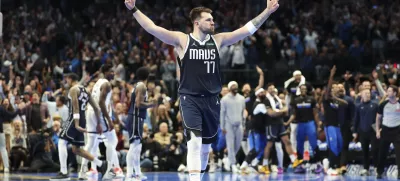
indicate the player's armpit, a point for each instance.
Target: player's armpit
{"x":230,"y":38}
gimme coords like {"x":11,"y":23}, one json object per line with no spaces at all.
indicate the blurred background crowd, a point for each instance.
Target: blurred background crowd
{"x":44,"y":39}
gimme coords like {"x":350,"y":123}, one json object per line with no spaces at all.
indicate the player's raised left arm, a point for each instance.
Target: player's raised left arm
{"x":226,"y":39}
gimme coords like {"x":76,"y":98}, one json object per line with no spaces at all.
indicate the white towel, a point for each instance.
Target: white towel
{"x":302,"y":81}
{"x":273,"y":103}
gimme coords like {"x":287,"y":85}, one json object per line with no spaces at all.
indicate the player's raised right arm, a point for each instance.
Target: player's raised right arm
{"x":173,"y":38}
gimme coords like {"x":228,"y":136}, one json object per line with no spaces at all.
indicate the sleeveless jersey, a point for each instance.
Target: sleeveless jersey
{"x":200,"y":68}
{"x":96,"y":93}
{"x":133,"y":110}
{"x":83,"y":99}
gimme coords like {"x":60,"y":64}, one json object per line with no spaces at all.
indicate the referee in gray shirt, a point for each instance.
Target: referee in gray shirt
{"x":389,"y":131}
{"x":233,"y":106}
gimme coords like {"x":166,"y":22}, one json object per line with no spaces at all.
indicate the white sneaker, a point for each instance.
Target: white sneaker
{"x":364,"y":172}
{"x":219,"y":164}
{"x":274,"y":168}
{"x":235,"y":169}
{"x":181,"y":168}
{"x":6,"y":170}
{"x":332,"y":172}
{"x":119,"y":173}
{"x":213,"y":167}
{"x":140,"y":177}
{"x":82,"y":176}
{"x":226,"y":163}
{"x":92,"y":173}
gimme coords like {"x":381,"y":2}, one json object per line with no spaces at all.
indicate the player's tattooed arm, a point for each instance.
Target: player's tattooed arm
{"x":230,"y":38}
{"x":74,"y":91}
{"x":140,"y":96}
{"x":105,"y":89}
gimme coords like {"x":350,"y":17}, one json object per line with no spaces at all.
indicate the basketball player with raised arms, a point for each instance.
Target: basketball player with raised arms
{"x":74,"y":127}
{"x":101,"y":94}
{"x":200,"y":81}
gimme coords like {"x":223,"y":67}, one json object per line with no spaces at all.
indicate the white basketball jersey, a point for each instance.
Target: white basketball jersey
{"x":96,"y":93}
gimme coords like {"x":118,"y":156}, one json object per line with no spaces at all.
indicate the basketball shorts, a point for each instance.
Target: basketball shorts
{"x":72,"y":135}
{"x":135,"y":127}
{"x":201,"y":116}
{"x":275,"y":132}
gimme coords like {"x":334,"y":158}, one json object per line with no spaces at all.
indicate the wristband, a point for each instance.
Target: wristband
{"x":77,"y":116}
{"x":250,"y":26}
{"x":134,"y":9}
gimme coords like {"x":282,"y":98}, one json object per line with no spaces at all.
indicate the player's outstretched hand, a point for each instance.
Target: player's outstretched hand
{"x":272,"y":5}
{"x":130,"y":4}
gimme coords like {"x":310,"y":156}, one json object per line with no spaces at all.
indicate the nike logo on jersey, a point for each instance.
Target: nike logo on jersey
{"x":194,"y":44}
{"x":202,"y":54}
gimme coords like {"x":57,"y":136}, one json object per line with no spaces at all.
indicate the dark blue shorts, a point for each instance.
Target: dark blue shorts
{"x":72,"y":135}
{"x":275,"y":132}
{"x":135,"y":127}
{"x":201,"y":116}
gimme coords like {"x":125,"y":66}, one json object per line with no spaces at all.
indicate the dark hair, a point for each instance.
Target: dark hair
{"x":142,"y":73}
{"x":62,"y":99}
{"x":72,"y":76}
{"x":395,"y":89}
{"x":269,"y":85}
{"x":195,"y":13}
{"x":106,"y":68}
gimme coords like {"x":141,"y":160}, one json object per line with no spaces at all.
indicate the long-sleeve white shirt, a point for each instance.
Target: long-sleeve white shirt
{"x":232,"y":109}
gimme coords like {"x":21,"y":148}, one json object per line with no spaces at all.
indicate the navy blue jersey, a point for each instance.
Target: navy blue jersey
{"x":200,"y":68}
{"x":83,"y":99}
{"x":133,"y":110}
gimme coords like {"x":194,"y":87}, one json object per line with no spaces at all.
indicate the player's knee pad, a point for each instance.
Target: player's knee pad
{"x":195,"y":143}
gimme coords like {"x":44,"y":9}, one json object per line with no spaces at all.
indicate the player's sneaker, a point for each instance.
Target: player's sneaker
{"x":92,"y":172}
{"x":318,"y":169}
{"x":82,"y":176}
{"x":213,"y":168}
{"x":110,"y":174}
{"x":296,"y":163}
{"x":264,"y":169}
{"x":332,"y":172}
{"x":280,"y":170}
{"x":343,"y":170}
{"x":182,"y":168}
{"x":103,"y":169}
{"x":364,"y":172}
{"x":119,"y":173}
{"x":6,"y":170}
{"x":300,"y":169}
{"x":140,"y":177}
{"x":60,"y":176}
{"x":234,"y":169}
